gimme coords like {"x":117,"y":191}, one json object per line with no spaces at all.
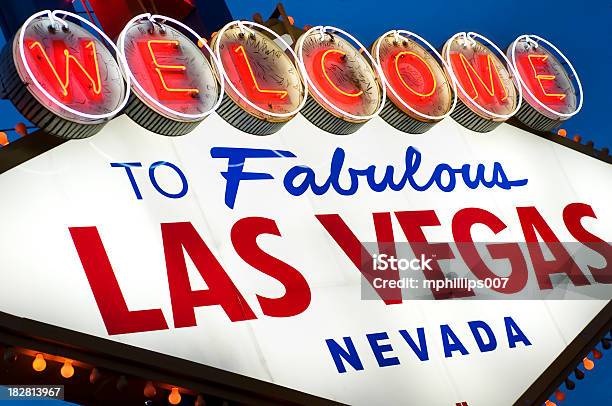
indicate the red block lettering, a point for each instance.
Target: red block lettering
{"x":462,"y":224}
{"x":412,"y":223}
{"x":221,"y":290}
{"x":572,"y":215}
{"x":297,"y":291}
{"x":117,"y":318}
{"x":358,"y":254}
{"x":531,"y":222}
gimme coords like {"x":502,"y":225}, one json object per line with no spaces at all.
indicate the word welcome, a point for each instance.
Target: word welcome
{"x":172,"y":82}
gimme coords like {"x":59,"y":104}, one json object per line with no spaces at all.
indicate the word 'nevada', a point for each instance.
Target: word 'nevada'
{"x":380,"y":344}
{"x":299,"y":179}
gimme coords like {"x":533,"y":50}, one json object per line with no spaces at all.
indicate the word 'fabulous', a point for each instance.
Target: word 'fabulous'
{"x":300,"y":179}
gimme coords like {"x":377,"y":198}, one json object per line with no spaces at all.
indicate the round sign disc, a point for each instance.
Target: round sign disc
{"x":344,"y":78}
{"x":260,"y":71}
{"x":416,"y":83}
{"x":172,"y":77}
{"x":485,"y":87}
{"x":73,"y":84}
{"x":548,"y":88}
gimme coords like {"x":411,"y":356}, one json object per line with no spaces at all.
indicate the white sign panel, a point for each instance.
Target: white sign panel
{"x":231,"y":250}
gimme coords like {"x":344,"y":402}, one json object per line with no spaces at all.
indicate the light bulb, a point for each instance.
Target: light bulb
{"x":588,"y":364}
{"x":559,"y":395}
{"x":94,"y":375}
{"x":149,"y":390}
{"x":549,"y":403}
{"x":200,"y":401}
{"x":67,"y":370}
{"x":10,"y":355}
{"x":175,"y":397}
{"x":122,"y":383}
{"x":39,"y":363}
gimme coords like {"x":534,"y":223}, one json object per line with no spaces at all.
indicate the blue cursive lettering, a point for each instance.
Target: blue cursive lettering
{"x":299,"y":179}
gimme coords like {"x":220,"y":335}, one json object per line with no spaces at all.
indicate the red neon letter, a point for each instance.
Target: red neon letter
{"x":330,"y":69}
{"x":359,"y":255}
{"x":531,"y":222}
{"x":412,"y":223}
{"x":221,"y":290}
{"x":297,"y":292}
{"x":337,"y":57}
{"x":117,"y":318}
{"x":471,"y":77}
{"x":89,"y":80}
{"x":462,"y":225}
{"x":542,"y":84}
{"x":572,"y":215}
{"x":417,"y":71}
{"x":241,"y":61}
{"x":166,"y":73}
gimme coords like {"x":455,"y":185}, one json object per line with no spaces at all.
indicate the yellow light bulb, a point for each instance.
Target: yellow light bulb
{"x":39,"y":363}
{"x":175,"y":397}
{"x":588,"y":364}
{"x":67,"y":370}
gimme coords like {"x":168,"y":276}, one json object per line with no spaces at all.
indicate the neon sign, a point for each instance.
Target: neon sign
{"x":264,"y":87}
{"x":243,"y":65}
{"x":74,"y":83}
{"x":164,"y":70}
{"x":333,"y":66}
{"x":407,"y":60}
{"x":172,"y":76}
{"x":420,"y":94}
{"x":480,"y":78}
{"x":178,"y":80}
{"x":550,"y":91}
{"x":346,"y":91}
{"x":88,"y":50}
{"x":486,"y":90}
{"x":546,"y":86}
